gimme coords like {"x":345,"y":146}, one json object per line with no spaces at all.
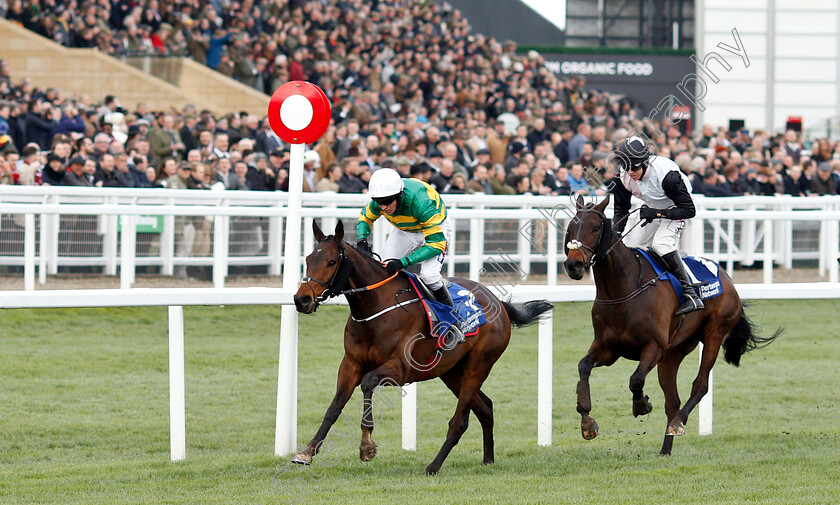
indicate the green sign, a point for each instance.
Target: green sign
{"x":146,"y":224}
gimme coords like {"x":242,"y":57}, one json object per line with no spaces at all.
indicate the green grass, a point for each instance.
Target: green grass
{"x":84,"y":408}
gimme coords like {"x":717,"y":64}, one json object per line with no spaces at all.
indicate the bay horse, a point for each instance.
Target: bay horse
{"x":633,"y":319}
{"x":382,"y":347}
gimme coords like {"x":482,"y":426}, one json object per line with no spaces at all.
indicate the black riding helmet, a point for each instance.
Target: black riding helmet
{"x":633,"y":154}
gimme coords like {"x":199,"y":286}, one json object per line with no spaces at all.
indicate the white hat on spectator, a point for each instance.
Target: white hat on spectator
{"x":312,"y":157}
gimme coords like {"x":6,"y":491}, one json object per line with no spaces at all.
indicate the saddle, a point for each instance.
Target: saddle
{"x":466,"y":309}
{"x":704,"y":274}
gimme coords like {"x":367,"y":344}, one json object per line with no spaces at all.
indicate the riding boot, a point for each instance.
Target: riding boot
{"x":455,"y":332}
{"x":677,"y":267}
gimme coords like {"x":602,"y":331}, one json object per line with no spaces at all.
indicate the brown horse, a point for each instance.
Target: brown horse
{"x":383,"y":347}
{"x":633,"y":319}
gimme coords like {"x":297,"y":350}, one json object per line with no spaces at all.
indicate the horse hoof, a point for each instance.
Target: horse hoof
{"x":431,"y":470}
{"x":589,"y":429}
{"x":675,"y":430}
{"x":302,"y":458}
{"x":368,"y":453}
{"x":642,"y":407}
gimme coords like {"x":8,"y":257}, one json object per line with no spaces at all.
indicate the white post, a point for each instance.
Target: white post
{"x":52,"y":245}
{"x":285,"y":436}
{"x":544,"y":373}
{"x":275,"y":244}
{"x":177,"y":409}
{"x":551,"y":250}
{"x":730,"y":247}
{"x":768,"y":251}
{"x":706,"y":406}
{"x":450,"y":246}
{"x":698,"y":236}
{"x":42,"y":252}
{"x":167,"y":243}
{"x":523,"y":245}
{"x":476,"y":248}
{"x":409,"y":417}
{"x":109,"y":245}
{"x":833,"y":252}
{"x":309,"y":235}
{"x":129,"y":250}
{"x":29,"y":252}
{"x":221,"y":238}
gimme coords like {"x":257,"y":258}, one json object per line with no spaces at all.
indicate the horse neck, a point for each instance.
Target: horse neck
{"x":617,"y":273}
{"x":366,"y":271}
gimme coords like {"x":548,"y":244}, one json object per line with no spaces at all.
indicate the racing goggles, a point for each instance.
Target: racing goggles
{"x":385,"y":201}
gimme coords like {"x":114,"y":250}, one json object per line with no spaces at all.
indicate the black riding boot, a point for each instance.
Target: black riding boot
{"x":675,"y":266}
{"x":455,"y":332}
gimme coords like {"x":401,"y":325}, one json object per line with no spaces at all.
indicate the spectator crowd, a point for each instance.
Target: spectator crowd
{"x":412,"y":88}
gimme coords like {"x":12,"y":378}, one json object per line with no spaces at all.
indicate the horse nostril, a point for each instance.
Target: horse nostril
{"x":305,"y":299}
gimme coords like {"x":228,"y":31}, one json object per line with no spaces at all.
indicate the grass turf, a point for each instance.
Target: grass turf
{"x":84,"y":418}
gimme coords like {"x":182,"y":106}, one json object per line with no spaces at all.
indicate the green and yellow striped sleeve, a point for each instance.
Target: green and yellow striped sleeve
{"x":370,"y":213}
{"x":431,"y":216}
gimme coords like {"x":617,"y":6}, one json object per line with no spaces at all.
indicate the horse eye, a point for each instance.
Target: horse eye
{"x":331,"y":263}
{"x":597,"y":227}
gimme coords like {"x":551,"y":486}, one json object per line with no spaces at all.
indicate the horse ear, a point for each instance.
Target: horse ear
{"x":339,"y":231}
{"x":603,"y":205}
{"x":580,"y":203}
{"x":319,"y":235}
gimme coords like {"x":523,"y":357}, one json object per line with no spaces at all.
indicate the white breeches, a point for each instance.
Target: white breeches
{"x":400,"y":244}
{"x":662,"y":236}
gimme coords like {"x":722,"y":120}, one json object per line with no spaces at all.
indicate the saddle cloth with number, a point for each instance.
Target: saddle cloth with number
{"x":702,"y":272}
{"x":467,"y":310}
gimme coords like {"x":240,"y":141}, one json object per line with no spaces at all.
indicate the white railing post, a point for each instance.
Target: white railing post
{"x":476,"y":248}
{"x":29,"y":252}
{"x":43,"y":255}
{"x":706,"y":407}
{"x":523,"y":245}
{"x":545,"y":354}
{"x":52,"y":243}
{"x":551,"y":251}
{"x":177,"y":409}
{"x":450,"y":253}
{"x":109,"y":226}
{"x":748,"y":243}
{"x":698,"y":236}
{"x":128,"y":250}
{"x":833,"y":250}
{"x":167,"y":243}
{"x":328,"y":222}
{"x":275,"y":244}
{"x":409,"y":417}
{"x":221,"y":249}
{"x":768,"y":251}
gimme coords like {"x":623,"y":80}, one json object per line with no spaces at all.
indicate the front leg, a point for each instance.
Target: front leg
{"x":385,"y":375}
{"x":588,"y":426}
{"x":349,"y":376}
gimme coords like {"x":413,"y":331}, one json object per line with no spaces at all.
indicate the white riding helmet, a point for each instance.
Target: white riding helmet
{"x":385,"y":182}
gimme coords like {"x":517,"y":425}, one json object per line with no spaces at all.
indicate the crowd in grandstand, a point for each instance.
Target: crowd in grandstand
{"x":412,"y":89}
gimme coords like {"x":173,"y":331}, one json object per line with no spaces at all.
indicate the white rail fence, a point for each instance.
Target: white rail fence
{"x":176,"y":299}
{"x":44,"y":228}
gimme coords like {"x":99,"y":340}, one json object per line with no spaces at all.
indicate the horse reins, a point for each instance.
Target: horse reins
{"x":594,"y":255}
{"x":331,"y":290}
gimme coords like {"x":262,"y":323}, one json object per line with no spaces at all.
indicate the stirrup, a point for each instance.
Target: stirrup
{"x":691,"y":304}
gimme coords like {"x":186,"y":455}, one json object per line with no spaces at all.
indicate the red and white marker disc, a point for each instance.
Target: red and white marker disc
{"x":299,"y":112}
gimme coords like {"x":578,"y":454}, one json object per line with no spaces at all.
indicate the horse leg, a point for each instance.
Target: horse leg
{"x":596,"y":356}
{"x":667,"y":371}
{"x":713,"y":338}
{"x":349,"y":376}
{"x":482,"y":408}
{"x":472,"y":379}
{"x":382,"y":376}
{"x":651,"y":355}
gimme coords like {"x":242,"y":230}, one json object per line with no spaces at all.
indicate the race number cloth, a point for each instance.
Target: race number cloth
{"x":703,"y":274}
{"x":467,"y":310}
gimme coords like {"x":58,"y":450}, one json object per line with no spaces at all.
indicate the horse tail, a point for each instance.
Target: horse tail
{"x":742,"y":339}
{"x":528,"y":313}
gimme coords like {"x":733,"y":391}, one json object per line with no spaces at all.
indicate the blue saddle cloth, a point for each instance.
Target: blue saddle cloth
{"x":703,"y":273}
{"x":467,"y":310}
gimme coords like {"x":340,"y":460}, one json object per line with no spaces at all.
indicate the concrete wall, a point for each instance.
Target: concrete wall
{"x":89,"y":72}
{"x":793,"y":48}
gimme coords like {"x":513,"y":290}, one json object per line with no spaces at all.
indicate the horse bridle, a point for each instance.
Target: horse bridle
{"x":590,"y":255}
{"x":339,"y":278}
